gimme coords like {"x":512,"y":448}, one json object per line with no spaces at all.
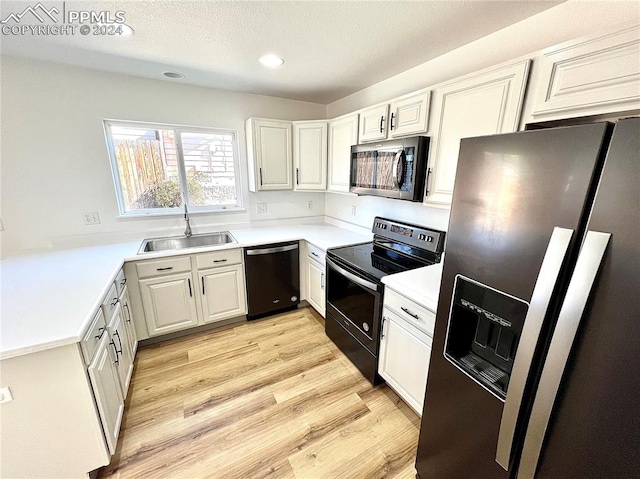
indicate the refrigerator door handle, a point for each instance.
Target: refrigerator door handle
{"x":542,"y":293}
{"x":582,"y":280}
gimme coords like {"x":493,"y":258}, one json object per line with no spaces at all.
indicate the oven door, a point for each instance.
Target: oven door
{"x":355,"y":303}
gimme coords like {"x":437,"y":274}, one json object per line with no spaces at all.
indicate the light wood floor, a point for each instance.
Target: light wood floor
{"x":272,"y":398}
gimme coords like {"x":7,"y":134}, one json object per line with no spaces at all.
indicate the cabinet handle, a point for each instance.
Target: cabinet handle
{"x":382,"y":328}
{"x":203,"y":285}
{"x":119,"y":341}
{"x":100,"y":333}
{"x":297,"y":176}
{"x":381,"y":122}
{"x":126,"y":305}
{"x":190,"y":292}
{"x":219,"y":260}
{"x":322,"y":280}
{"x":426,"y":193}
{"x":260,"y":176}
{"x":115,"y":301}
{"x":164,"y":269}
{"x":392,"y":116}
{"x":123,"y":282}
{"x":112,"y":343}
{"x":413,"y":315}
{"x":315,"y":254}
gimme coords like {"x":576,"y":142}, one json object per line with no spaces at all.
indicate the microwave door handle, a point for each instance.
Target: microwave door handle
{"x":571,"y":312}
{"x":542,"y":293}
{"x":398,"y":169}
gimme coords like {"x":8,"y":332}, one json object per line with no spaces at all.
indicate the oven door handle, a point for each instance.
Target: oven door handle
{"x":362,"y":282}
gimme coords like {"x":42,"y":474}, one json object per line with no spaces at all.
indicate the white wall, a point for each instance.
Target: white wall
{"x":564,"y":22}
{"x":54,"y":159}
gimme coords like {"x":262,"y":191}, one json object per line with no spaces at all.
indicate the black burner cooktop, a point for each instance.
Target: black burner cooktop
{"x":375,"y":261}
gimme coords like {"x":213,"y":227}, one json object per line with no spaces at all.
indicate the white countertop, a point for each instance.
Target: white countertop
{"x":49,"y":298}
{"x":421,"y":285}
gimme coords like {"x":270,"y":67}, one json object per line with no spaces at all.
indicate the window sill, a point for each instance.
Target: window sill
{"x":179,"y":213}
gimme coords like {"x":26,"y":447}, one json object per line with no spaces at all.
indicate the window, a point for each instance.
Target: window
{"x":159,"y":168}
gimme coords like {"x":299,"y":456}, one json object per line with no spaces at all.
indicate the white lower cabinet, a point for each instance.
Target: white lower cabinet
{"x":315,"y":277}
{"x":316,"y":282}
{"x":222,"y":293}
{"x":169,"y":303}
{"x":405,"y":347}
{"x":181,"y":292}
{"x":404,"y":359}
{"x":120,"y":340}
{"x":128,"y":320}
{"x":107,"y":390}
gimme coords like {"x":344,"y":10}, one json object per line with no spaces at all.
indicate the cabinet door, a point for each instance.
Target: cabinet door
{"x":316,"y":282}
{"x":272,"y":150}
{"x":128,"y":321}
{"x":310,"y":155}
{"x":589,"y":77}
{"x":404,"y":359}
{"x":343,"y":133}
{"x":482,"y":104}
{"x":222,"y":293}
{"x":373,"y":123}
{"x":168,"y":303}
{"x":106,"y":389}
{"x":120,"y":339}
{"x":410,"y":114}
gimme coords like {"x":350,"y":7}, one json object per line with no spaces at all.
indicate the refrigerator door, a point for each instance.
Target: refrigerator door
{"x":511,"y":193}
{"x":592,"y":425}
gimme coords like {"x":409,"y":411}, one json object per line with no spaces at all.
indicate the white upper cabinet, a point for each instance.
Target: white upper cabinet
{"x":485,"y":103}
{"x":589,"y":77}
{"x":409,"y":114}
{"x":402,"y":116}
{"x":373,"y":123}
{"x":269,"y":154}
{"x":310,"y":155}
{"x":343,"y":133}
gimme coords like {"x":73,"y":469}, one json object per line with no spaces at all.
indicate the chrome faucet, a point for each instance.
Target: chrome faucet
{"x":187,"y":231}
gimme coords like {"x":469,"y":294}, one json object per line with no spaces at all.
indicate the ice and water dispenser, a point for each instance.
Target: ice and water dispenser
{"x":483,"y":333}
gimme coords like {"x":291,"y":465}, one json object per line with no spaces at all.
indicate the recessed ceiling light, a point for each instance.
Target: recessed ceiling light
{"x":271,"y":60}
{"x":174,"y":75}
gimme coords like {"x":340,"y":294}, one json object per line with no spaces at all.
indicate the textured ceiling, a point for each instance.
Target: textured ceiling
{"x":331,"y":48}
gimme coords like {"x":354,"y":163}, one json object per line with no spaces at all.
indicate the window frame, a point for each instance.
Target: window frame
{"x":182,"y":172}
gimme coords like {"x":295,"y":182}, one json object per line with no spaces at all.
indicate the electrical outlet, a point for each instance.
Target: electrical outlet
{"x":309,"y":205}
{"x":353,"y":210}
{"x":5,"y":395}
{"x":91,"y":218}
{"x":261,"y":208}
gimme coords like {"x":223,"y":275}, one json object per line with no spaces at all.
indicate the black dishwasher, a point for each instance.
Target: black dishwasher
{"x":273,"y":278}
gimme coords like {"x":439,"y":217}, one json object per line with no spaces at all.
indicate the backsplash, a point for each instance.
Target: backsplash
{"x":341,"y":207}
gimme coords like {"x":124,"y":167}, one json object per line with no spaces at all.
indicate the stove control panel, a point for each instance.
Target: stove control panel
{"x":413,"y":235}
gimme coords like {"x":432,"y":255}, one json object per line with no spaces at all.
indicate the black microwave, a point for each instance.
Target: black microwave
{"x":393,"y":169}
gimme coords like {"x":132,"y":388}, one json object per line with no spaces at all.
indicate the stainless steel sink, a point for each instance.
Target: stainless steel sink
{"x":185,"y":242}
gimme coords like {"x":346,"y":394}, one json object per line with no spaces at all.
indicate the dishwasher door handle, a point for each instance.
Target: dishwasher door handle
{"x":277,"y":249}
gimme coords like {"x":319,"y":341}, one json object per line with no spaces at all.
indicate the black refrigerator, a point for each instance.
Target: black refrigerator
{"x":535,"y":366}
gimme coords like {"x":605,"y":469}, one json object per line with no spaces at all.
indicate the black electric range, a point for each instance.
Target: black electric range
{"x":354,"y":285}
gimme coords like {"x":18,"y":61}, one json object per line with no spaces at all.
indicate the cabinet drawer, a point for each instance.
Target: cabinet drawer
{"x":110,"y":302}
{"x":92,"y":337}
{"x":163,"y":266}
{"x":219,"y":258}
{"x":316,"y":253}
{"x":121,"y":281}
{"x":410,"y":311}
